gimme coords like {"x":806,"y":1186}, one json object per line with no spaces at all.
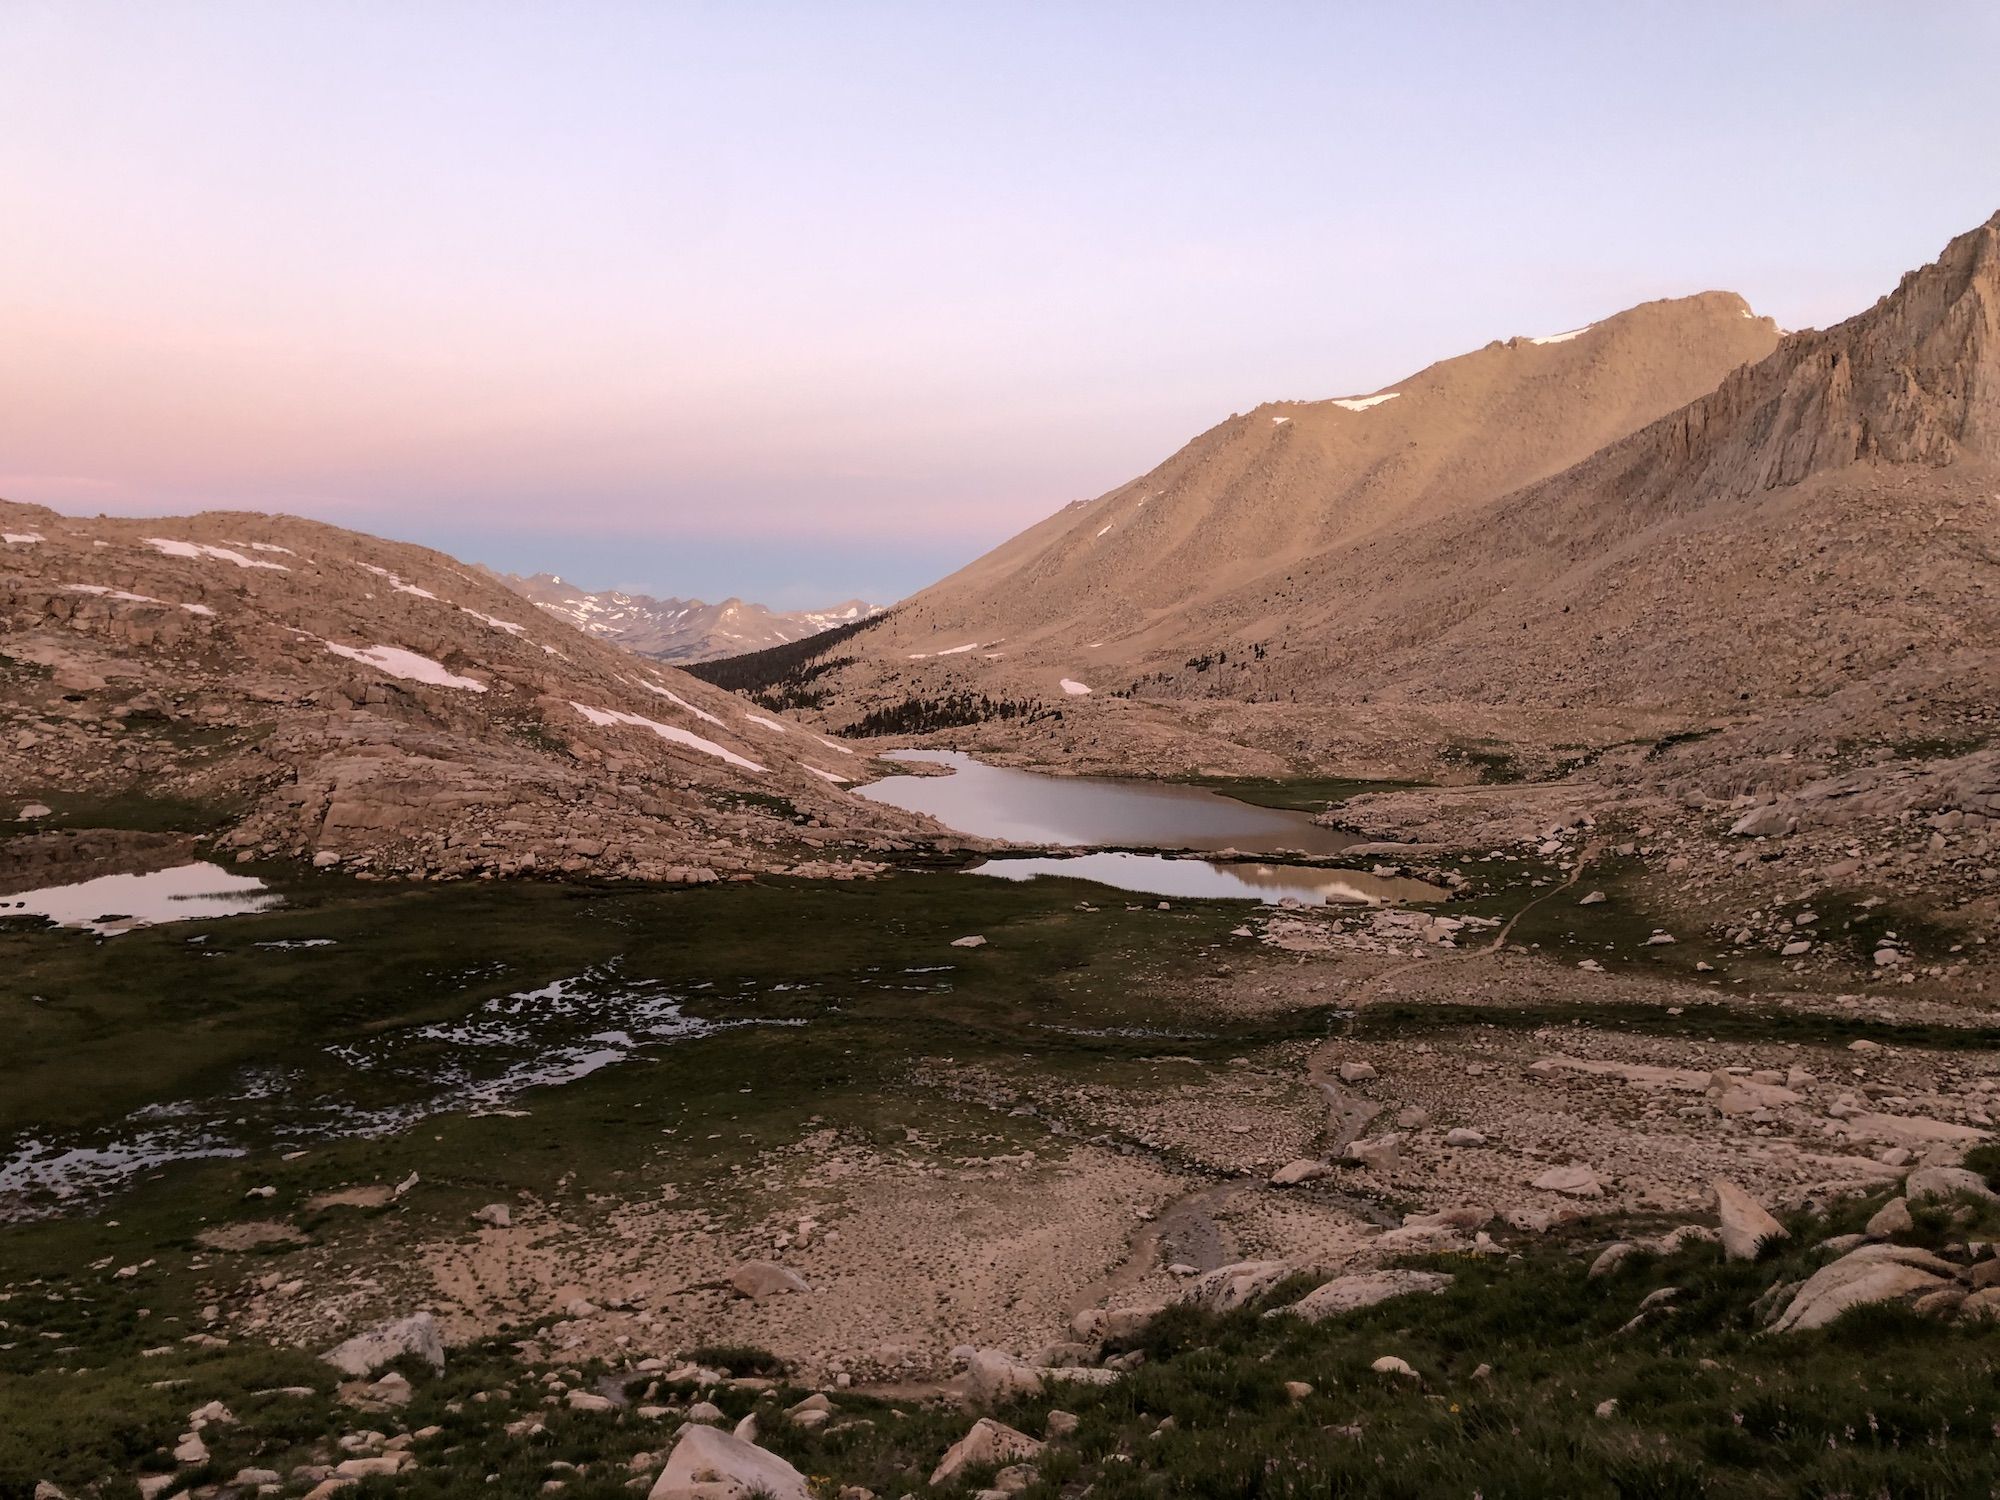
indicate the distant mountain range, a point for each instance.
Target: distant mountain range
{"x":680,"y":630}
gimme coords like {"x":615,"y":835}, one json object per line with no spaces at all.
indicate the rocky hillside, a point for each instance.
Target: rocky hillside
{"x":679,"y":630}
{"x":1211,"y":546}
{"x":296,"y":690}
{"x":1813,"y":520}
{"x":1822,"y":518}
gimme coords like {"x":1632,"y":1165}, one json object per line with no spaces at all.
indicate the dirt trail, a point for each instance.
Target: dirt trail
{"x":1584,"y":858}
{"x":1194,"y":1228}
{"x":1346,"y":1114}
{"x":1185,"y":1231}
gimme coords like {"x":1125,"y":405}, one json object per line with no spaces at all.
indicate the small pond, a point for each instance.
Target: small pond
{"x":1027,"y":807}
{"x":1201,"y":879}
{"x":117,"y":903}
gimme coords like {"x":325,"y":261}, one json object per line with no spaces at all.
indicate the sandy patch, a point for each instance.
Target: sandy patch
{"x":251,"y":1234}
{"x":374,"y":1195}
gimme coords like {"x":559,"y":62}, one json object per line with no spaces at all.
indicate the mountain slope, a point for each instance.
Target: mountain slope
{"x":1200,"y":548}
{"x":679,"y":630}
{"x":1820,"y":517}
{"x":303,"y":691}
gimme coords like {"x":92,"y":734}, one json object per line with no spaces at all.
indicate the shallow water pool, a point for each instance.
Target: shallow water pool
{"x":1028,"y":807}
{"x":117,"y":903}
{"x":1200,"y":879}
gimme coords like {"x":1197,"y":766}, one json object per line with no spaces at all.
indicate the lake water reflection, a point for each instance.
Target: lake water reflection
{"x":1200,"y":879}
{"x":1027,"y":807}
{"x":117,"y":903}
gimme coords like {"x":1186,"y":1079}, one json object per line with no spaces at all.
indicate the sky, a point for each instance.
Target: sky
{"x":804,"y":301}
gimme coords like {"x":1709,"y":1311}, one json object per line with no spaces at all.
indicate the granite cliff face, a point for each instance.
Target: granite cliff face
{"x":1914,"y":380}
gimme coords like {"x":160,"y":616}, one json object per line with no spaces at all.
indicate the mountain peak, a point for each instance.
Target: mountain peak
{"x":1219,"y":535}
{"x":678,"y":630}
{"x":1915,"y":379}
{"x":1927,"y":357}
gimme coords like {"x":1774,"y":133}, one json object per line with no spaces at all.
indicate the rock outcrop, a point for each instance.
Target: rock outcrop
{"x":709,"y":1464}
{"x":1228,"y":1287}
{"x":987,"y":1444}
{"x":367,"y":1352}
{"x":378,"y":708}
{"x":1345,"y":1294}
{"x":1873,"y":1273}
{"x":1746,"y":1225}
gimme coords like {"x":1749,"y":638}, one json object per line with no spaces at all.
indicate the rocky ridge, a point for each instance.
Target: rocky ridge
{"x":300,"y":691}
{"x":1214,"y":544}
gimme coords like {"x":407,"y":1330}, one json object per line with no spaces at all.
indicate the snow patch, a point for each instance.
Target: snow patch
{"x":507,"y":625}
{"x":1279,"y":421}
{"x":833,"y":744}
{"x":676,"y":698}
{"x":1107,"y":527}
{"x":408,"y":665}
{"x":766,"y":723}
{"x":198,"y":550}
{"x":961,"y":650}
{"x":395,"y":582}
{"x":1362,"y":403}
{"x":21,"y":538}
{"x":1074,"y":688}
{"x":107,"y":593}
{"x":126,"y":597}
{"x":1563,"y":338}
{"x":606,"y":717}
{"x":827,"y":775}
